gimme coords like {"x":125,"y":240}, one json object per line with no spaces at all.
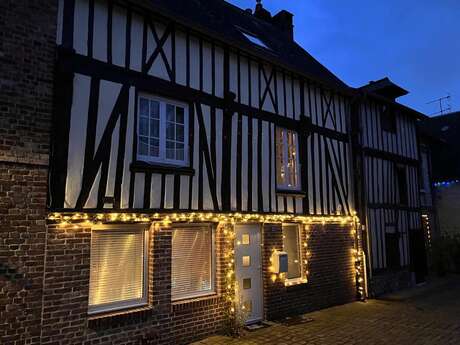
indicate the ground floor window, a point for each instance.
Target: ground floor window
{"x":118,"y":269}
{"x":193,"y":262}
{"x":291,"y":245}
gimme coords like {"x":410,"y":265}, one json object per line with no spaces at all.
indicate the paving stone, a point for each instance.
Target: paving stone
{"x":429,"y":315}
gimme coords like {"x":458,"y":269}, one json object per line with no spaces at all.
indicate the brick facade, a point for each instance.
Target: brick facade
{"x":27,"y":51}
{"x":66,"y":289}
{"x":331,"y":267}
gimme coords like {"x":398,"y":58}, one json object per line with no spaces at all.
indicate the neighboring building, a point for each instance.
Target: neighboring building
{"x":446,"y":169}
{"x":193,"y":146}
{"x":389,"y":161}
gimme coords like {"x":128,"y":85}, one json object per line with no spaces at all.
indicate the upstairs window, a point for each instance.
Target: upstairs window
{"x":402,"y":184}
{"x":388,"y":119}
{"x":287,"y":160}
{"x":162,"y":131}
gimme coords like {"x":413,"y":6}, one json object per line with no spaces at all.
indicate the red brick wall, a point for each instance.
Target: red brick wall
{"x":27,"y":43}
{"x":66,"y":288}
{"x":331,"y":279}
{"x":22,"y":246}
{"x":27,"y":51}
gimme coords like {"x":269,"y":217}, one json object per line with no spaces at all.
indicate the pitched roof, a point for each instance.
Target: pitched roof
{"x":446,"y":157}
{"x":224,"y":21}
{"x":386,"y":88}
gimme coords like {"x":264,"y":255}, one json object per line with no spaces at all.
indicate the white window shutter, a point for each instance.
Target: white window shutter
{"x":192,"y":262}
{"x":118,"y":268}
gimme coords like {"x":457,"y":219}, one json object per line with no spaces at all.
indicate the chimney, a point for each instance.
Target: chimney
{"x":283,"y":21}
{"x":261,"y":13}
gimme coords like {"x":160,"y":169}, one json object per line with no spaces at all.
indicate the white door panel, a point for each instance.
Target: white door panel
{"x":248,"y":270}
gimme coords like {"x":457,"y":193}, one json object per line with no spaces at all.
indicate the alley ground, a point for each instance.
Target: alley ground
{"x":424,"y":315}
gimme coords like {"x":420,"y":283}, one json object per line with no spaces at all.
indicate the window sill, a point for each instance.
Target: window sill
{"x":195,"y":301}
{"x":295,"y":282}
{"x":291,"y":192}
{"x":140,"y":166}
{"x":104,"y":319}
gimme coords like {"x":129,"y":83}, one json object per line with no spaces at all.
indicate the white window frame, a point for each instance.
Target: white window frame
{"x":212,"y":291}
{"x":286,"y":186}
{"x":129,"y":304}
{"x":162,"y":149}
{"x":301,"y":278}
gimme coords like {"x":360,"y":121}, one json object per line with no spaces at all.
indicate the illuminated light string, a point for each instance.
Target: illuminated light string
{"x":426,"y":221}
{"x":446,"y":183}
{"x":168,"y":218}
{"x":227,"y":221}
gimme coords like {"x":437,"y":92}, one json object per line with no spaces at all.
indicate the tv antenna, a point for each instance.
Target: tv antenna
{"x":444,"y":105}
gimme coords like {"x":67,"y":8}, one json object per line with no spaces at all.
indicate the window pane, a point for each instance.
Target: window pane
{"x":143,"y":146}
{"x":154,"y":110}
{"x":117,"y":266}
{"x":170,"y":129}
{"x":180,"y":133}
{"x":155,"y":128}
{"x":191,"y":262}
{"x":154,"y":147}
{"x":170,"y":148}
{"x":170,"y":113}
{"x":143,"y":107}
{"x":280,"y":164}
{"x":292,"y":159}
{"x":180,"y":115}
{"x":292,"y":247}
{"x":143,"y":126}
{"x":180,"y":152}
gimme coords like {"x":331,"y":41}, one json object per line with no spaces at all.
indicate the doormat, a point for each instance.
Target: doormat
{"x":258,"y":325}
{"x":296,"y":320}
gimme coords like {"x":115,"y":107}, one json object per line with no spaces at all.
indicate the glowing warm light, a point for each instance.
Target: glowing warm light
{"x":227,"y":220}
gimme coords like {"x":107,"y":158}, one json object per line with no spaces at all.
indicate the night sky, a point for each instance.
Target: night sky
{"x":416,"y":43}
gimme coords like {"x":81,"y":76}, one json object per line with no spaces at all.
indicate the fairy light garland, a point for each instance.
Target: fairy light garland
{"x":227,"y":221}
{"x":168,"y":218}
{"x":358,"y":259}
{"x":228,"y":231}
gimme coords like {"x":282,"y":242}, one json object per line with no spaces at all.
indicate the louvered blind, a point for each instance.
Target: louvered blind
{"x":192,"y":255}
{"x":117,"y":268}
{"x":292,"y":248}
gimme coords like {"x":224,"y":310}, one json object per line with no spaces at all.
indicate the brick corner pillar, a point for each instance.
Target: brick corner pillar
{"x":27,"y":53}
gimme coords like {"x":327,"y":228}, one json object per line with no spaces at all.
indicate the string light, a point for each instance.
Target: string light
{"x":168,"y":218}
{"x":446,"y":183}
{"x":227,"y":221}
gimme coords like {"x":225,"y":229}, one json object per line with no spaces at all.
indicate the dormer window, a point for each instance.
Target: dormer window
{"x":254,"y":39}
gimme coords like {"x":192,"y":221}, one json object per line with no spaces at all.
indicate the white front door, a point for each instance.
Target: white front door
{"x":248,"y":271}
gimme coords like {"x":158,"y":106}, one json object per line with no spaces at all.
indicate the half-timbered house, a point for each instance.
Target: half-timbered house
{"x":389,"y":163}
{"x":204,"y":172}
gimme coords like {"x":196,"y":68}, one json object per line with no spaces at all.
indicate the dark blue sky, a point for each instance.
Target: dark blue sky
{"x":416,"y":43}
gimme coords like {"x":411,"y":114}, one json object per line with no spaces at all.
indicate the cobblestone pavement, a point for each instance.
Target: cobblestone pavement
{"x":428,"y":315}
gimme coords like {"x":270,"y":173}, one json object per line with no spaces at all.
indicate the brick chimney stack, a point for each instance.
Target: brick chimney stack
{"x":282,"y":20}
